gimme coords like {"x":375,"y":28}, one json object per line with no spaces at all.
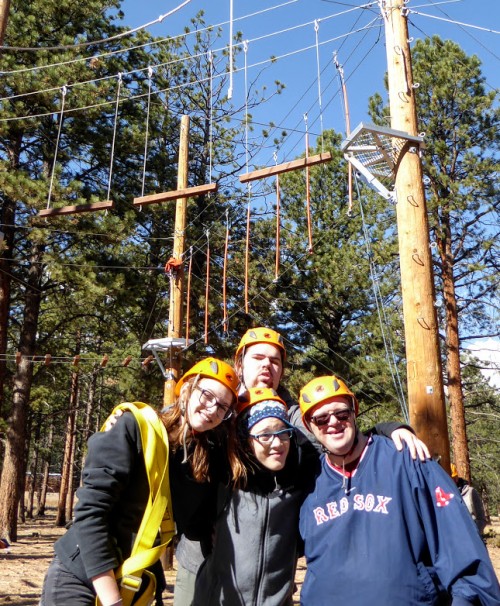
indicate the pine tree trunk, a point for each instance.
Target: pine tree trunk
{"x":42,"y":494}
{"x":455,"y":393}
{"x":12,"y":480}
{"x":67,"y":468}
{"x":8,"y":218}
{"x":34,"y":469}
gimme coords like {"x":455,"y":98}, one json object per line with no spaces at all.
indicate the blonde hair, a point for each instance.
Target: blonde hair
{"x":197,"y":446}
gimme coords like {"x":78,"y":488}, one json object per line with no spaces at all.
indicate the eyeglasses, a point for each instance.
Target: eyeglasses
{"x":283,"y":435}
{"x":210,"y":400}
{"x":324,"y":419}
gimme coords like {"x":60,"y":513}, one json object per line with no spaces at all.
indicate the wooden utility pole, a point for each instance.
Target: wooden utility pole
{"x":177,"y":281}
{"x":424,"y":370}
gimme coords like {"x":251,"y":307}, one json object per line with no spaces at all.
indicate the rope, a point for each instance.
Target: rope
{"x":64,"y":90}
{"x":231,"y":59}
{"x":96,"y":42}
{"x":316,"y":30}
{"x":343,"y":87}
{"x":383,"y":320}
{"x":188,"y":294}
{"x":308,"y":193}
{"x":146,"y":140}
{"x":118,"y":89}
{"x":211,"y":131}
{"x":278,"y":227}
{"x":207,"y":287}
{"x":247,"y":248}
{"x":225,"y":323}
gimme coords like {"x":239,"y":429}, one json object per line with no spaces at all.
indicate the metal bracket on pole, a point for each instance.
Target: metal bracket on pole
{"x":374,"y":152}
{"x":171,"y":344}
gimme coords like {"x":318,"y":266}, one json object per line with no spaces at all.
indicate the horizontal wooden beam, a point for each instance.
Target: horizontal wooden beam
{"x":176,"y":194}
{"x":262,"y":173}
{"x":73,"y":210}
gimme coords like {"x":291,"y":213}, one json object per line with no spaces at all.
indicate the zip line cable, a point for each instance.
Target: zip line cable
{"x":193,"y":57}
{"x":95,"y":42}
{"x":157,"y":42}
{"x":382,"y":316}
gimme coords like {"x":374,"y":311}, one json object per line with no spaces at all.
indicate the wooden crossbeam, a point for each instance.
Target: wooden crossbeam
{"x":73,"y":210}
{"x":262,"y":173}
{"x":188,"y":192}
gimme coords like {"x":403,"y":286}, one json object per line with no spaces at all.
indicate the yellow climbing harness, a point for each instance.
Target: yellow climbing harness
{"x":158,"y":516}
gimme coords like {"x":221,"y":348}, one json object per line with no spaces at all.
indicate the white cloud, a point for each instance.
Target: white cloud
{"x":488,"y":351}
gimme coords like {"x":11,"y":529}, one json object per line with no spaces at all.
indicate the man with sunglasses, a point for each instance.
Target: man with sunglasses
{"x":379,"y":528}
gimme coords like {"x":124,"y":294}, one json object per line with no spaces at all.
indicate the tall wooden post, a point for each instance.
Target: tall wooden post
{"x":424,"y":370}
{"x":177,"y":282}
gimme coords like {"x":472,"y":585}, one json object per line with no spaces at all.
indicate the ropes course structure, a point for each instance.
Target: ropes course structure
{"x":379,"y":148}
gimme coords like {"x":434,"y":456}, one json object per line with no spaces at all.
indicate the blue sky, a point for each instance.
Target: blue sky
{"x":288,"y":32}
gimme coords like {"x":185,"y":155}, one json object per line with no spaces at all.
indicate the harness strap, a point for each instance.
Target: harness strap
{"x":158,"y":516}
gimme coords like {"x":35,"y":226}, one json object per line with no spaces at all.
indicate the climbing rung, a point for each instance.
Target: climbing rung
{"x":189,"y":192}
{"x":80,"y":208}
{"x":262,"y":173}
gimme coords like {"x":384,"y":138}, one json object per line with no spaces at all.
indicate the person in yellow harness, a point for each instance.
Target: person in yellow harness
{"x":126,"y":472}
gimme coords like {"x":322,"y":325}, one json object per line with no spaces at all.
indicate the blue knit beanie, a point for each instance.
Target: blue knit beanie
{"x":264,"y":410}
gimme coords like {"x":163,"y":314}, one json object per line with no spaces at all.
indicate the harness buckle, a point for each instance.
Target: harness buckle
{"x":131,"y":582}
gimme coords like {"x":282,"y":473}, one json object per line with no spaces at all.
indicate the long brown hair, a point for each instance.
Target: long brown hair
{"x":197,"y":445}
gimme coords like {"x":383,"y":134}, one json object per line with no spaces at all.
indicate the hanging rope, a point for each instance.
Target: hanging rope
{"x":231,"y":14}
{"x":249,"y":185}
{"x":278,"y":205}
{"x":225,"y":321}
{"x":318,"y":67}
{"x":383,"y":319}
{"x":64,"y":90}
{"x":207,"y":287}
{"x":146,"y":139}
{"x":211,"y":133}
{"x":118,"y":89}
{"x":308,"y":194}
{"x":247,"y":249}
{"x":188,"y":294}
{"x":345,"y":103}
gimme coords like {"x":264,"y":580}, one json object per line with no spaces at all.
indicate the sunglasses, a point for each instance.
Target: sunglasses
{"x":324,"y":419}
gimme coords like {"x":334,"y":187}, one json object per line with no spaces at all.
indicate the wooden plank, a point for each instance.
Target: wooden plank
{"x":262,"y":173}
{"x":73,"y":210}
{"x":176,"y":194}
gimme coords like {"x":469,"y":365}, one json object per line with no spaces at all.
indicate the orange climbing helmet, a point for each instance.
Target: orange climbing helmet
{"x":261,"y":334}
{"x":321,"y":389}
{"x":256,"y":395}
{"x":212,"y":368}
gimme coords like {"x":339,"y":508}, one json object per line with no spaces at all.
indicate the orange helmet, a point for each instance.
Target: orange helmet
{"x":212,"y":369}
{"x":261,"y":335}
{"x":321,"y":389}
{"x":255,"y":395}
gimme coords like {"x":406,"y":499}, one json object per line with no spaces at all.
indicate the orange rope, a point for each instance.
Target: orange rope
{"x":276,"y":271}
{"x":207,"y":289}
{"x":308,"y":199}
{"x":225,"y":322}
{"x":188,"y":294}
{"x":247,"y":248}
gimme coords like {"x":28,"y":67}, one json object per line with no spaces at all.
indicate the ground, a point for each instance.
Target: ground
{"x":24,"y":567}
